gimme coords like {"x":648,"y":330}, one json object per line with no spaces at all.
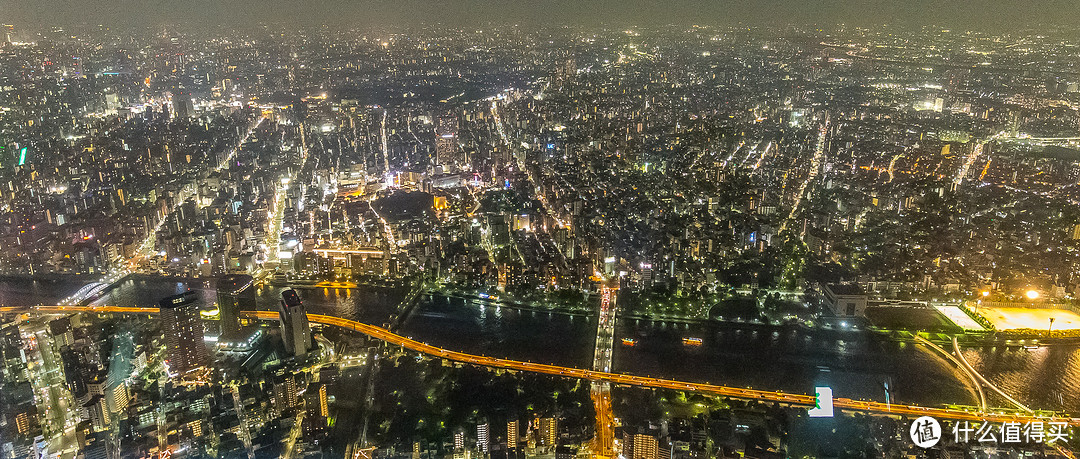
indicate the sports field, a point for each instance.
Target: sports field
{"x":958,"y":316}
{"x":1038,"y":319}
{"x":901,"y":317}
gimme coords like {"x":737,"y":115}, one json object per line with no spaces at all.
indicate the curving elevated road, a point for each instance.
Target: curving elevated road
{"x":593,"y":375}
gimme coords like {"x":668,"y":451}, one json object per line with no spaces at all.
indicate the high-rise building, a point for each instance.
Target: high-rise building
{"x":324,"y":406}
{"x":459,"y":441}
{"x":285,"y":393}
{"x":317,"y":404}
{"x":311,"y":263}
{"x":96,"y":446}
{"x":567,"y":69}
{"x":295,"y":329}
{"x":60,"y":329}
{"x":512,"y":434}
{"x":483,"y":438}
{"x":181,"y":104}
{"x":118,"y":398}
{"x":640,"y":446}
{"x":446,"y":148}
{"x":548,"y":431}
{"x":183,"y":333}
{"x":235,"y":293}
{"x":74,"y":371}
{"x":97,"y":412}
{"x":22,"y":423}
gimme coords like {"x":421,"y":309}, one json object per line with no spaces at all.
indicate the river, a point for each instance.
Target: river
{"x":1047,"y":377}
{"x":855,"y":365}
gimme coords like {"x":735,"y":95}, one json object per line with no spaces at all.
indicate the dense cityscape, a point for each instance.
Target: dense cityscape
{"x":671,"y":242}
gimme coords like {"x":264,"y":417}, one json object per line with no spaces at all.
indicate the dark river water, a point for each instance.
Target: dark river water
{"x":855,"y":365}
{"x":478,"y":328}
{"x":23,"y":292}
{"x":365,"y":304}
{"x":1046,"y":378}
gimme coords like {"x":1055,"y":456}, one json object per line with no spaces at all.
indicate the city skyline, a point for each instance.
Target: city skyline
{"x":539,"y":241}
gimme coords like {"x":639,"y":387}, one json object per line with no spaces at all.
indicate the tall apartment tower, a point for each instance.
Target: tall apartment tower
{"x":549,"y":432}
{"x":295,"y":330}
{"x":184,"y":346}
{"x":512,"y":434}
{"x":483,"y":438}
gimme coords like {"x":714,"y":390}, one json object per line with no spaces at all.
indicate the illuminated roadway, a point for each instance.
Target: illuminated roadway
{"x":815,"y":167}
{"x":593,"y":375}
{"x":601,"y":391}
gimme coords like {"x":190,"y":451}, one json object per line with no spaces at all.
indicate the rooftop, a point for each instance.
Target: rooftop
{"x":845,"y":289}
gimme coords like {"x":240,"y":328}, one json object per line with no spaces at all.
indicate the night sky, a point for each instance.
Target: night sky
{"x":992,"y":16}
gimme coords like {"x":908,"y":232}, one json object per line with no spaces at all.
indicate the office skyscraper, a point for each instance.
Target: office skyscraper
{"x":184,"y":346}
{"x":295,"y":330}
{"x":235,"y":293}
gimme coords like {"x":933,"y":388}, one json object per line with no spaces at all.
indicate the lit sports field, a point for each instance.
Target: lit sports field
{"x":1039,"y":319}
{"x":959,"y":317}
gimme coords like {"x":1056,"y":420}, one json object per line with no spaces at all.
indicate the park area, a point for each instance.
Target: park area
{"x":910,"y":318}
{"x":1037,"y":319}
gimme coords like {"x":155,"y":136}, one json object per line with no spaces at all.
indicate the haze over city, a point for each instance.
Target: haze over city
{"x":978,"y":15}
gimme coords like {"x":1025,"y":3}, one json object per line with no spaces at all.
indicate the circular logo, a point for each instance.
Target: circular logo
{"x":925,"y":432}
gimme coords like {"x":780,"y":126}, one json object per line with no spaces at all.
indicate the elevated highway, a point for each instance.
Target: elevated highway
{"x":595,"y":375}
